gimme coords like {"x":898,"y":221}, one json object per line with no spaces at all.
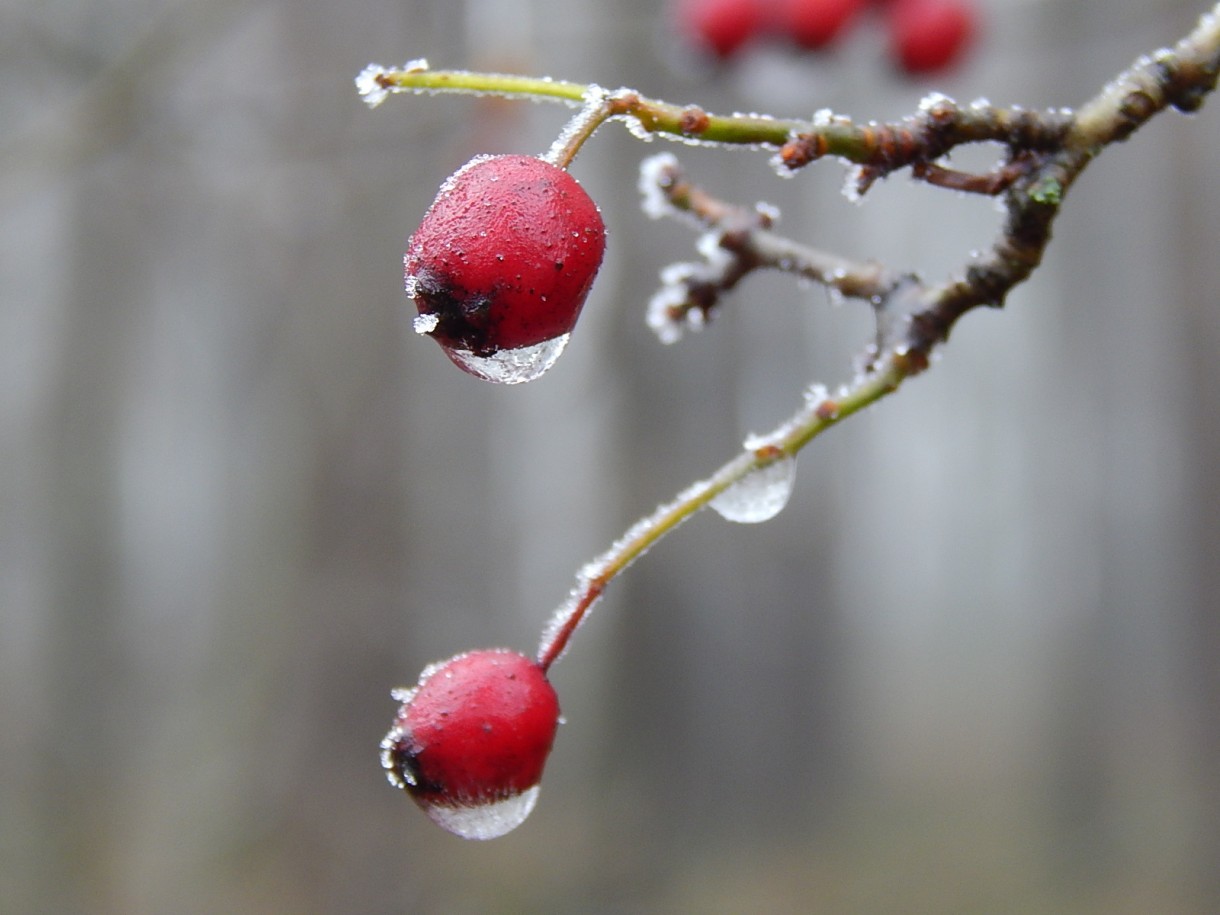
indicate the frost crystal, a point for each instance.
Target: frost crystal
{"x":851,"y":184}
{"x":768,"y":211}
{"x":593,"y":109}
{"x":935,"y":100}
{"x":425,"y":324}
{"x":368,"y":84}
{"x":667,"y":300}
{"x":653,"y":179}
{"x":637,"y":129}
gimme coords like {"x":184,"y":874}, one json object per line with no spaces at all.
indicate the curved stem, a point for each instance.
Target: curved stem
{"x":817,"y":415}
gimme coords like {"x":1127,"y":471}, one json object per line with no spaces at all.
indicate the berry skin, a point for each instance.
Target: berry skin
{"x":504,"y":258}
{"x":470,"y":742}
{"x":928,"y":36}
{"x":814,"y":24}
{"x":721,"y":27}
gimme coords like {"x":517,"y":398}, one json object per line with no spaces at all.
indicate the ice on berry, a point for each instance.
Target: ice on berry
{"x":510,"y":366}
{"x":425,"y":324}
{"x":488,"y":820}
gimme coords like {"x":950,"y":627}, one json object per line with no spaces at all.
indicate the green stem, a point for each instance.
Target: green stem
{"x":415,"y":78}
{"x":652,"y":115}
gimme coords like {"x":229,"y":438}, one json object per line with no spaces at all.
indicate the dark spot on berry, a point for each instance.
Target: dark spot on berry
{"x":463,"y":319}
{"x":405,"y":762}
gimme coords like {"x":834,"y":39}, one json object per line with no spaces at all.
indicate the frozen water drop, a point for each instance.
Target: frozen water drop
{"x":425,"y":324}
{"x":488,"y":820}
{"x":760,"y":496}
{"x":511,"y":366}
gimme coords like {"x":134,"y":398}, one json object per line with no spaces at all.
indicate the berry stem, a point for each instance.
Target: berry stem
{"x":583,"y":125}
{"x":816,"y":416}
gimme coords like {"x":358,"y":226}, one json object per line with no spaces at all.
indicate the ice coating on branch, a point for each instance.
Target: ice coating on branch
{"x":666,"y":303}
{"x":934,"y":101}
{"x":633,"y":544}
{"x":760,"y":495}
{"x":851,"y":184}
{"x":370,"y":82}
{"x":637,"y":129}
{"x":654,"y":178}
{"x":591,"y":111}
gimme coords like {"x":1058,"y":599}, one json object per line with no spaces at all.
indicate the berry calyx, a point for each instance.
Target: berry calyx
{"x":502,"y":263}
{"x":470,"y":741}
{"x":814,"y":24}
{"x":721,"y":27}
{"x":928,"y":36}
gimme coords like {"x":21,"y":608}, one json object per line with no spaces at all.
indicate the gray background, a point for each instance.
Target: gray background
{"x":973,"y":667}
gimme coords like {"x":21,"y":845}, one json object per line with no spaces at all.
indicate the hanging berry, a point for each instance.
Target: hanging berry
{"x":470,"y":741}
{"x":502,"y":263}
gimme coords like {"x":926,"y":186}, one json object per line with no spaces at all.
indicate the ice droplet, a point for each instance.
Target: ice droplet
{"x":488,"y":820}
{"x":511,"y":366}
{"x":760,"y":496}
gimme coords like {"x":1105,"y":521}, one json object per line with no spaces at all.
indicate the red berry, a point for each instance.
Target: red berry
{"x":722,"y":27}
{"x":814,"y":24}
{"x":470,"y":741}
{"x":502,"y":263}
{"x":927,"y":36}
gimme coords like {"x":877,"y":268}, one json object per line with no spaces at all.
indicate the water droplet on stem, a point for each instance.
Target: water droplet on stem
{"x":760,"y":496}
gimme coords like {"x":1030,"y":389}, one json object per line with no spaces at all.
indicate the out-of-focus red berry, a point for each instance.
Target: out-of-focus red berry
{"x":814,"y":24}
{"x":721,"y":27}
{"x":928,"y":36}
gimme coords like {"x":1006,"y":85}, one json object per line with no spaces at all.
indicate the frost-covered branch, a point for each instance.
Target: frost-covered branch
{"x":1044,"y":154}
{"x":1048,"y":152}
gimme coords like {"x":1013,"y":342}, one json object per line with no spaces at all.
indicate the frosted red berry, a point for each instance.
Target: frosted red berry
{"x":470,"y":742}
{"x":502,"y":263}
{"x":814,"y":24}
{"x":928,"y":36}
{"x":721,"y":27}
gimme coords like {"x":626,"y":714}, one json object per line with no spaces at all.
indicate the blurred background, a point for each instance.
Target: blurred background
{"x":973,"y":667}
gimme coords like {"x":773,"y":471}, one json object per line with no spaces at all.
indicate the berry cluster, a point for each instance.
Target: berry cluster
{"x":925,"y":36}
